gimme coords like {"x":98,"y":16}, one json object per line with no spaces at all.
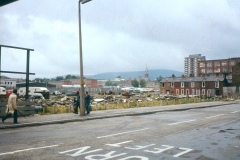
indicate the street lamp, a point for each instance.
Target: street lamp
{"x":82,"y":107}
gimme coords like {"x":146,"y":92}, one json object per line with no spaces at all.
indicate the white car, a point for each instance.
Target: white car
{"x":57,"y":93}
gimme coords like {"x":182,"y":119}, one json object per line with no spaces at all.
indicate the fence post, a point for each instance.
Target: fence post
{"x":54,"y":109}
{"x":146,"y":103}
{"x":152,"y":103}
{"x":137,"y":104}
{"x":107,"y":107}
{"x":117,"y":105}
{"x":128,"y":104}
{"x":69,"y":108}
{"x":161,"y":102}
{"x":96,"y":106}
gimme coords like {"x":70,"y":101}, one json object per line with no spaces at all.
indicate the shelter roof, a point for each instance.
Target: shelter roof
{"x":5,"y":2}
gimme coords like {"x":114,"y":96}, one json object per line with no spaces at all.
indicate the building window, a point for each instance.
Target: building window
{"x":209,"y":92}
{"x":209,"y":64}
{"x":198,"y":92}
{"x":192,"y":84}
{"x":203,"y":91}
{"x":193,"y":92}
{"x":232,"y":63}
{"x":202,"y":64}
{"x":163,"y":85}
{"x":225,"y":70}
{"x":172,"y":84}
{"x":216,"y":84}
{"x":216,"y":64}
{"x":224,"y":63}
{"x":177,"y":92}
{"x":10,"y":82}
{"x":209,"y":71}
{"x":202,"y":71}
{"x":217,"y":70}
{"x":187,"y":91}
{"x":182,"y":84}
{"x":182,"y":91}
{"x":203,"y":84}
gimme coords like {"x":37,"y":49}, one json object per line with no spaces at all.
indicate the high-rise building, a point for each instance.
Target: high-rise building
{"x":191,"y":64}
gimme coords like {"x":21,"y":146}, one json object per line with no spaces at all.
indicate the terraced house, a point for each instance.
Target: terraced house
{"x":193,"y":86}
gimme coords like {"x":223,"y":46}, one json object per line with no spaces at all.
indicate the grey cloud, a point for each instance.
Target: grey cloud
{"x":154,"y":33}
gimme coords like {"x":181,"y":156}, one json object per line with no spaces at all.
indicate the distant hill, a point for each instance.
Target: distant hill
{"x":153,"y":74}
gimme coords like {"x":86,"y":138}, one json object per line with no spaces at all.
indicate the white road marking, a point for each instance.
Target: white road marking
{"x":27,"y":150}
{"x":139,"y":147}
{"x":122,"y":133}
{"x":184,"y":152}
{"x":118,"y":144}
{"x":104,"y":156}
{"x":159,"y":150}
{"x":235,"y":111}
{"x":215,"y":116}
{"x":182,"y":122}
{"x":80,"y":151}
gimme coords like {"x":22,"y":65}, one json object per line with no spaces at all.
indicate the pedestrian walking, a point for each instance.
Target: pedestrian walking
{"x":87,"y":102}
{"x":77,"y":103}
{"x":11,"y":107}
{"x":74,"y":103}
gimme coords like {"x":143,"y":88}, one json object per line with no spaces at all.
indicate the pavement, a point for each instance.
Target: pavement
{"x":37,"y":120}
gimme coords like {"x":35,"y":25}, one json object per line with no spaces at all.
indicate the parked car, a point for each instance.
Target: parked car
{"x":33,"y":96}
{"x":73,"y":93}
{"x":2,"y":91}
{"x":57,"y":93}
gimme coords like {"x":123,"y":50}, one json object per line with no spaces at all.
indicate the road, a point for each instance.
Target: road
{"x":201,"y":134}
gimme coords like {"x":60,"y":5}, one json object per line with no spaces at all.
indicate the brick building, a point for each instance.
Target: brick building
{"x":218,"y":67}
{"x":91,"y":83}
{"x":193,"y":86}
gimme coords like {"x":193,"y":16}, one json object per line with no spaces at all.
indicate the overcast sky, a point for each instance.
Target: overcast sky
{"x":123,"y":35}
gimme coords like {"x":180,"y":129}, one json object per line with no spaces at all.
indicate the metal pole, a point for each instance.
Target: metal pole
{"x":0,"y":67}
{"x":27,"y":74}
{"x":82,"y":108}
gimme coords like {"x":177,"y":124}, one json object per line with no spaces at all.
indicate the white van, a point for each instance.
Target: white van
{"x":2,"y":91}
{"x":43,"y":90}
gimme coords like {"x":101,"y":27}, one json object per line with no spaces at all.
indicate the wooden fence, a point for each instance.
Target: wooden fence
{"x":26,"y":108}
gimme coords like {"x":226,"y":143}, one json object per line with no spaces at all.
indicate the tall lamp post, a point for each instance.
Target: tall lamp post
{"x":82,"y":97}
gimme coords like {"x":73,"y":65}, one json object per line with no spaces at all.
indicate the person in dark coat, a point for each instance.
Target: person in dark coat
{"x":87,"y":102}
{"x":77,"y":103}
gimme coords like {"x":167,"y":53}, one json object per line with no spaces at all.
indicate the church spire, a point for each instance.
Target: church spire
{"x":146,"y":73}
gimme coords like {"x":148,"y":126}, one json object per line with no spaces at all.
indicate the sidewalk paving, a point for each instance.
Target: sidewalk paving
{"x":37,"y":120}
